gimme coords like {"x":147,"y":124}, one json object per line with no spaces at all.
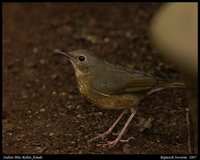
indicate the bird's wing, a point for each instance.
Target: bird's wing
{"x":120,"y":80}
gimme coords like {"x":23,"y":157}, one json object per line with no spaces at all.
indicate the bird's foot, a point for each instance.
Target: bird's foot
{"x":113,"y":143}
{"x":102,"y":136}
{"x":117,"y":140}
{"x":97,"y":137}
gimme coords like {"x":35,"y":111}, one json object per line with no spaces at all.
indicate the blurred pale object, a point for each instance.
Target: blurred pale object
{"x":175,"y":32}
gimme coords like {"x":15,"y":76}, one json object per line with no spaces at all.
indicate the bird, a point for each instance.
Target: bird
{"x":114,"y":87}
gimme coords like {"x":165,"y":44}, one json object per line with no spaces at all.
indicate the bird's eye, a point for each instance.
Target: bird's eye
{"x":81,"y":58}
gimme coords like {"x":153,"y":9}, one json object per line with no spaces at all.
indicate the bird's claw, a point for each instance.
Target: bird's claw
{"x":126,"y":140}
{"x":113,"y":143}
{"x":102,"y":136}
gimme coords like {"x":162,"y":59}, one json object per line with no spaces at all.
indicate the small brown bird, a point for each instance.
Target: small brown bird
{"x":112,"y":86}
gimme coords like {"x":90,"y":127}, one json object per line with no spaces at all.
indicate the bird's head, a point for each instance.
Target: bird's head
{"x":82,"y":60}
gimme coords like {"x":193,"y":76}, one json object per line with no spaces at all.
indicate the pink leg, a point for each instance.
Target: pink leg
{"x":113,"y":143}
{"x":111,"y":128}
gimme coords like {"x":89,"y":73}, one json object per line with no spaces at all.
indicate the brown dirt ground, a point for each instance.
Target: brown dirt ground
{"x":43,"y":111}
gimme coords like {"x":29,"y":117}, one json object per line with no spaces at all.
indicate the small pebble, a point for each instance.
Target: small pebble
{"x":54,"y":93}
{"x":82,"y":126}
{"x":187,"y":109}
{"x":70,"y":135}
{"x":70,"y":97}
{"x":56,"y":50}
{"x":43,"y":87}
{"x":62,"y":114}
{"x":78,"y":106}
{"x":173,"y":124}
{"x":91,"y":38}
{"x":10,"y":134}
{"x":54,"y":76}
{"x":160,"y":64}
{"x":177,"y":137}
{"x":29,"y":112}
{"x":68,"y":106}
{"x":42,"y":110}
{"x":37,"y":80}
{"x":80,"y":152}
{"x":99,"y":145}
{"x":106,"y":40}
{"x":28,"y":85}
{"x":35,"y":50}
{"x":51,"y":134}
{"x":38,"y":148}
{"x":55,"y":115}
{"x":86,"y":136}
{"x":98,"y":113}
{"x":42,"y":61}
{"x":143,"y":50}
{"x":128,"y":34}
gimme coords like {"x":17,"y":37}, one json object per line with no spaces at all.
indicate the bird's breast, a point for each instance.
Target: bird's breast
{"x":106,"y":101}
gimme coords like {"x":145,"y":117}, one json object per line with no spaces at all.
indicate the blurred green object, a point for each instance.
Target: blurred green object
{"x":131,"y":66}
{"x":174,"y":32}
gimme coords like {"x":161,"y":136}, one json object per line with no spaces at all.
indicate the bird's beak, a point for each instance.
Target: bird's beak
{"x":66,"y":54}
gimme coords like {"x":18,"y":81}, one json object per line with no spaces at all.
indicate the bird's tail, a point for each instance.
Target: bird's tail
{"x":173,"y":85}
{"x":166,"y":86}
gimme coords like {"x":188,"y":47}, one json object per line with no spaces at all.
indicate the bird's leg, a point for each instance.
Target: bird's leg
{"x":113,"y":143}
{"x":103,"y":135}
